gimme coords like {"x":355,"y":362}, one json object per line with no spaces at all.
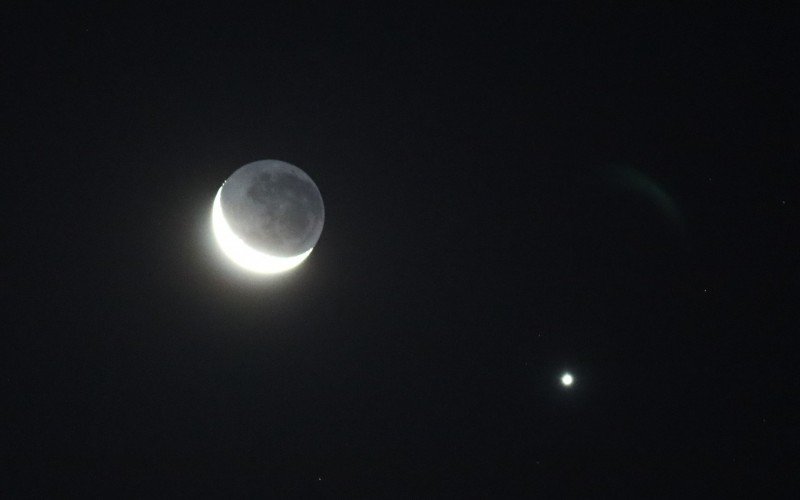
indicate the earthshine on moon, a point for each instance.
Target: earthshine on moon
{"x":268,"y":216}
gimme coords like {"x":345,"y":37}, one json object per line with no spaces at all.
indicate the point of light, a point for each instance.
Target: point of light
{"x":242,"y":254}
{"x":567,"y":379}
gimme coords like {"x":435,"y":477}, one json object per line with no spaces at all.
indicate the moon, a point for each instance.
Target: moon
{"x":268,"y":216}
{"x":567,"y":379}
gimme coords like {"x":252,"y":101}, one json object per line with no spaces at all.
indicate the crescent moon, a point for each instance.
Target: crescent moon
{"x":244,"y":255}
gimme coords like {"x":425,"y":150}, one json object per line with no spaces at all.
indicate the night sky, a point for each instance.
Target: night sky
{"x":509,"y":194}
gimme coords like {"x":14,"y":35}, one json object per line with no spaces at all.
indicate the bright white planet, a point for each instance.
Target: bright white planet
{"x":267,"y":216}
{"x":567,"y":380}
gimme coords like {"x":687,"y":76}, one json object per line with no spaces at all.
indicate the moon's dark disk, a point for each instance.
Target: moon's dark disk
{"x":274,"y":207}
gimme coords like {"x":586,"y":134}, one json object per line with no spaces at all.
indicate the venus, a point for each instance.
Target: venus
{"x":267,"y":216}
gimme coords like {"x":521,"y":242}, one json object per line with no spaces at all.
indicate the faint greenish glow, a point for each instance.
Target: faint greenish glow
{"x":638,"y":183}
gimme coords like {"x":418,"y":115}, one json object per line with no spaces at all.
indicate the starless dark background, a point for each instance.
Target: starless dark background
{"x":478,"y":242}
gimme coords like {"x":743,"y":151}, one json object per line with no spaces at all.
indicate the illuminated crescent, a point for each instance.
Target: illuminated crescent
{"x":244,"y":255}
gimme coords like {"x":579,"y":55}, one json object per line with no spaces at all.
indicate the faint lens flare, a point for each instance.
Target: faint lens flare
{"x":242,"y":254}
{"x":636,"y":182}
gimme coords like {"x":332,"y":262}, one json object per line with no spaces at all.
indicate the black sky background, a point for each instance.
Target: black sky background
{"x":474,"y":249}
